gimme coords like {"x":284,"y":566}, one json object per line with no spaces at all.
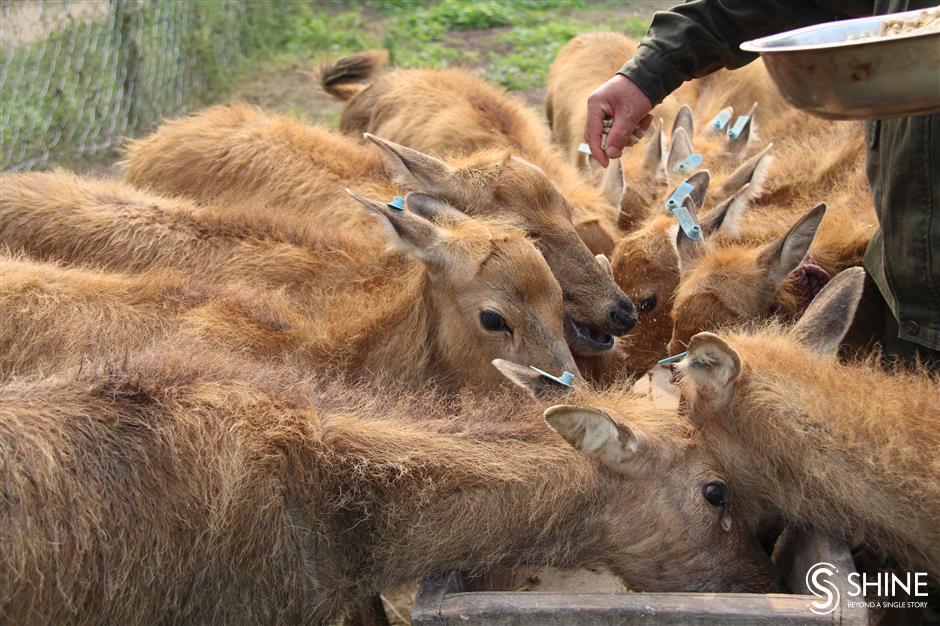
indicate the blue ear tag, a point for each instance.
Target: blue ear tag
{"x":687,"y":223}
{"x":672,"y":359}
{"x":584,"y":148}
{"x":735,"y":131}
{"x":676,"y":197}
{"x":689,"y":163}
{"x":566,"y":378}
{"x":686,"y":220}
{"x":721,"y":120}
{"x":397,"y":203}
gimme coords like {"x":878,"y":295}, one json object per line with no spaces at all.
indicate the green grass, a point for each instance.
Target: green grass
{"x":534,"y":48}
{"x":528,"y":33}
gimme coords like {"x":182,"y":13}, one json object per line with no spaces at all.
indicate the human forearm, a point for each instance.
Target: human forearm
{"x":702,"y":36}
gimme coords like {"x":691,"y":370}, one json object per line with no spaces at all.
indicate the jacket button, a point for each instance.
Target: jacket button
{"x":911,"y":328}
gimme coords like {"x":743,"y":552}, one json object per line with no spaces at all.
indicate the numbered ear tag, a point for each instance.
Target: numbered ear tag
{"x":677,"y":196}
{"x":735,"y":131}
{"x":675,"y":205}
{"x":672,"y":359}
{"x":584,"y":149}
{"x":689,"y":163}
{"x":397,"y":203}
{"x":721,"y":120}
{"x":566,"y":378}
{"x":687,"y":223}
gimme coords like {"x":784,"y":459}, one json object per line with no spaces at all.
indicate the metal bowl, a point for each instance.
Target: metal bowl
{"x":817,"y":70}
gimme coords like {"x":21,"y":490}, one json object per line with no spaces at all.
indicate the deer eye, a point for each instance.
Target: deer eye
{"x":647,"y":304}
{"x":494,"y":322}
{"x":715,"y":494}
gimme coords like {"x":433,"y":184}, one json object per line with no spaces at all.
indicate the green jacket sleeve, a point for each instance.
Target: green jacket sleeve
{"x":702,"y":36}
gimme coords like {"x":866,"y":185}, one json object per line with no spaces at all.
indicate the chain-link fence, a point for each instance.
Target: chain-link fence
{"x":76,"y":76}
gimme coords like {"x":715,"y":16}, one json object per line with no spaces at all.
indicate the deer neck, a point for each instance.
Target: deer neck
{"x":833,"y":448}
{"x":399,"y":339}
{"x":488,"y":495}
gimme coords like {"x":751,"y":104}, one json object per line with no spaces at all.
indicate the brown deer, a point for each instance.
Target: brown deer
{"x":730,"y":284}
{"x":238,"y":156}
{"x":454,"y":112}
{"x":849,"y":449}
{"x":589,"y":59}
{"x":195,"y":486}
{"x":758,"y":199}
{"x":454,"y":293}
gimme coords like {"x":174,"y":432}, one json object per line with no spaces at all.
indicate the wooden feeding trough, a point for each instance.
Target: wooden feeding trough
{"x":446,"y":600}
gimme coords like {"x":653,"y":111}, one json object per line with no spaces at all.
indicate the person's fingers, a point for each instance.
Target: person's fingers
{"x":617,"y":138}
{"x":640,"y":131}
{"x":593,"y":131}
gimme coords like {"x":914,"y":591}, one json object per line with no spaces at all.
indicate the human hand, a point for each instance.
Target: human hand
{"x":627,"y":106}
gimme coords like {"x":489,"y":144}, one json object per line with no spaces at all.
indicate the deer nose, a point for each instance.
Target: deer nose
{"x":623,"y":317}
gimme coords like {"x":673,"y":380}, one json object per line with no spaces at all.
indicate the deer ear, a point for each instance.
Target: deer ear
{"x":612,"y":183}
{"x":532,"y":382}
{"x":725,"y":219}
{"x":752,"y":172}
{"x":684,"y":119}
{"x":654,"y":157}
{"x":406,"y":231}
{"x":595,"y":236}
{"x":596,"y":434}
{"x":699,"y":181}
{"x":681,"y":148}
{"x":784,"y":255}
{"x":411,"y":168}
{"x":634,"y":207}
{"x":712,"y":367}
{"x":604,"y":262}
{"x":829,"y":316}
{"x":434,"y":209}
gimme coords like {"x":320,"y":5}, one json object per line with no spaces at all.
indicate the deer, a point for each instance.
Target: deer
{"x":238,"y":156}
{"x":451,"y":294}
{"x":454,"y":112}
{"x":217,"y":489}
{"x":848,"y":448}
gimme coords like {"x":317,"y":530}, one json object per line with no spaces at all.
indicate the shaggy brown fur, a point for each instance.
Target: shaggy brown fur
{"x":453,"y":112}
{"x":239,"y":156}
{"x":739,"y":282}
{"x":194,"y":487}
{"x":849,"y":449}
{"x":54,"y":316}
{"x":338,"y":300}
